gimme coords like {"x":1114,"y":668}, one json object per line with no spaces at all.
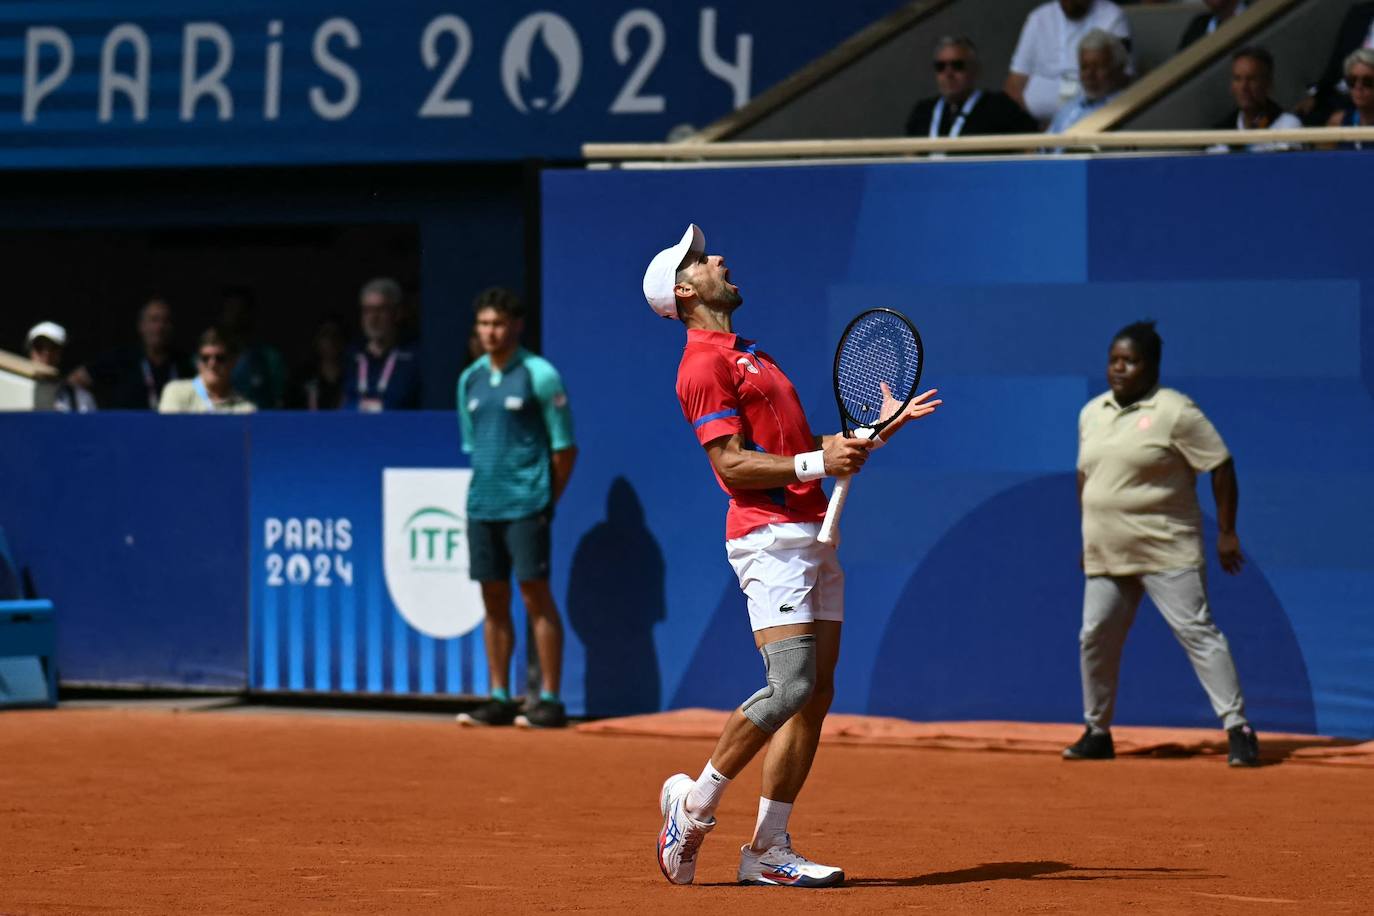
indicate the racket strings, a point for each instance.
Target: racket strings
{"x":879,"y":348}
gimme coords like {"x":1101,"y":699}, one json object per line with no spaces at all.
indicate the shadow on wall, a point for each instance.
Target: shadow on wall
{"x":987,"y":628}
{"x":615,"y":596}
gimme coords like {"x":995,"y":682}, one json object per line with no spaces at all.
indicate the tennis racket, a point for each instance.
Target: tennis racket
{"x":879,"y":346}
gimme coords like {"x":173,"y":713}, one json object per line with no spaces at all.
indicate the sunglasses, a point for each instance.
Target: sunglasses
{"x":1360,"y":82}
{"x":958,"y":66}
{"x":211,"y":357}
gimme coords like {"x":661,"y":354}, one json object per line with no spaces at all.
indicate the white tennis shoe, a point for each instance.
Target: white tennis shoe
{"x":682,"y":834}
{"x":783,"y":866}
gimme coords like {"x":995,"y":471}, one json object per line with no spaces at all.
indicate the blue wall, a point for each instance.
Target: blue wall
{"x":137,"y":531}
{"x":962,"y":540}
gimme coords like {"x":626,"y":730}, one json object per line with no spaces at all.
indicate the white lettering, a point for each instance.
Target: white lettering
{"x":438,"y":104}
{"x":314,"y":534}
{"x":629,"y":101}
{"x":297,"y":569}
{"x":135,"y":87}
{"x":271,"y":91}
{"x":294,"y":537}
{"x":275,"y":564}
{"x":195,"y":85}
{"x":272,"y":530}
{"x":322,"y":579}
{"x":735,"y":75}
{"x":345,"y":29}
{"x":343,"y":569}
{"x":35,"y":89}
{"x":343,"y":534}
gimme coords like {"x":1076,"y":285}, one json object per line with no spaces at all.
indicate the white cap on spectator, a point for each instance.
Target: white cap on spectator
{"x":661,"y":276}
{"x":47,"y":329}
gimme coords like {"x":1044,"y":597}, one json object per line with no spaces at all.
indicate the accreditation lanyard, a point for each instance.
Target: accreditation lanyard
{"x":150,"y":382}
{"x":205,"y":395}
{"x":958,"y":126}
{"x":382,"y":381}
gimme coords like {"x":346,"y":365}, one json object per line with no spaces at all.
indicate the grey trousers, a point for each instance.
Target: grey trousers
{"x":1109,"y":606}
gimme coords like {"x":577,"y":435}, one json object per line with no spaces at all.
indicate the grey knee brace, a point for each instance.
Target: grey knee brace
{"x":790,"y":666}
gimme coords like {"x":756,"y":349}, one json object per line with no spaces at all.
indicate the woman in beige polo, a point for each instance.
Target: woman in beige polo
{"x":1140,"y":449}
{"x":211,"y":390}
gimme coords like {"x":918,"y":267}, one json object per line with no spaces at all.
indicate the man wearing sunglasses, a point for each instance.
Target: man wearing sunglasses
{"x":962,"y":109}
{"x":212,"y":390}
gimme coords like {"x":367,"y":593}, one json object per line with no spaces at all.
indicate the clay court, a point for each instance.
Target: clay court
{"x":245,"y":810}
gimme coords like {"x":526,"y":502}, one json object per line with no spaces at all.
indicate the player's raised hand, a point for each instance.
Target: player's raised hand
{"x":844,"y":455}
{"x":920,"y":406}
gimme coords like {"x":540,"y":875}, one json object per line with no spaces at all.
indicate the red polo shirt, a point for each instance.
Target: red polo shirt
{"x":726,"y":386}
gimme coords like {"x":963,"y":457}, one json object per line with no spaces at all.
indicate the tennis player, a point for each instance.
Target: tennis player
{"x":747,"y":416}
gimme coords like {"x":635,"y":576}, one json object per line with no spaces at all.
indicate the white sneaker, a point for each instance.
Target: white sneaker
{"x":682,"y":834}
{"x":783,"y":866}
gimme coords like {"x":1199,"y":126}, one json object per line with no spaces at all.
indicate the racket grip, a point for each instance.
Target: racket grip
{"x":830,"y":527}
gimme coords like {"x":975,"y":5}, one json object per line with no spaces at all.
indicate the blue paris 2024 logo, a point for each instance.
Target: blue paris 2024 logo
{"x":314,"y":551}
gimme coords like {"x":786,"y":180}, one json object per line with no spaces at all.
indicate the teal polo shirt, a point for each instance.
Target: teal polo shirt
{"x":511,"y":421}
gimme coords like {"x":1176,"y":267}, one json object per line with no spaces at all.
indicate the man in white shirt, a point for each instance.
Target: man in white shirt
{"x":1044,"y":68}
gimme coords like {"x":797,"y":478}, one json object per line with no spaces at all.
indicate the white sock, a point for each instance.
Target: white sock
{"x":704,"y":798}
{"x":771,"y":825}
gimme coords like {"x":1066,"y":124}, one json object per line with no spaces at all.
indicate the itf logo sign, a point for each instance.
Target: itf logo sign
{"x":425,"y":550}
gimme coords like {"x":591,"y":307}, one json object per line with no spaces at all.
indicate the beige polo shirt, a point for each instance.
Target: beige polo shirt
{"x":1140,"y":463}
{"x":182,"y":396}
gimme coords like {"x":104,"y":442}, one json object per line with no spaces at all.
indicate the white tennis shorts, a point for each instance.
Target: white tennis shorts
{"x":787,"y":575}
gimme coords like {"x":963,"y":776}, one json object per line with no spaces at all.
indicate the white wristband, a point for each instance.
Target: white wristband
{"x":809,"y":465}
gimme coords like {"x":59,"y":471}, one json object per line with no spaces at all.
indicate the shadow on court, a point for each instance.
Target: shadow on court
{"x":615,"y":598}
{"x":1026,"y":871}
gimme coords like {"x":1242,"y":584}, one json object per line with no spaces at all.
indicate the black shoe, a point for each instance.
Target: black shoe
{"x":492,"y":712}
{"x":1244,"y":750}
{"x":544,"y":714}
{"x":1092,"y":746}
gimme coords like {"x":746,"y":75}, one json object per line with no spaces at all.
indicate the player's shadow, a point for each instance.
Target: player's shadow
{"x":615,"y":597}
{"x":1026,"y":871}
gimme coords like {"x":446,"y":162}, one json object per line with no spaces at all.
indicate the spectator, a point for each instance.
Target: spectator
{"x":1204,"y":24}
{"x":1252,"y":76}
{"x":383,"y":374}
{"x":323,"y":377}
{"x":1044,"y":68}
{"x":1330,"y":93}
{"x":1140,"y":449}
{"x":212,"y":390}
{"x":1359,"y":78}
{"x":133,"y":380}
{"x":44,"y":344}
{"x":514,"y":417}
{"x":962,"y":108}
{"x":1102,"y":60}
{"x":260,"y":373}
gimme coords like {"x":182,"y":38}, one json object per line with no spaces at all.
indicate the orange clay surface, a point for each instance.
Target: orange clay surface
{"x":153,"y":811}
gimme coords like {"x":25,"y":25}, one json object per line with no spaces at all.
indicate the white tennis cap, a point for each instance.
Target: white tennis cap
{"x":661,"y":276}
{"x":48,"y":329}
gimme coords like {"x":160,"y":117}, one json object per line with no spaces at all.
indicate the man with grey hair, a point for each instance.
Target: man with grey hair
{"x":962,"y":108}
{"x":383,"y":373}
{"x":1044,"y":69}
{"x":1102,"y":62}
